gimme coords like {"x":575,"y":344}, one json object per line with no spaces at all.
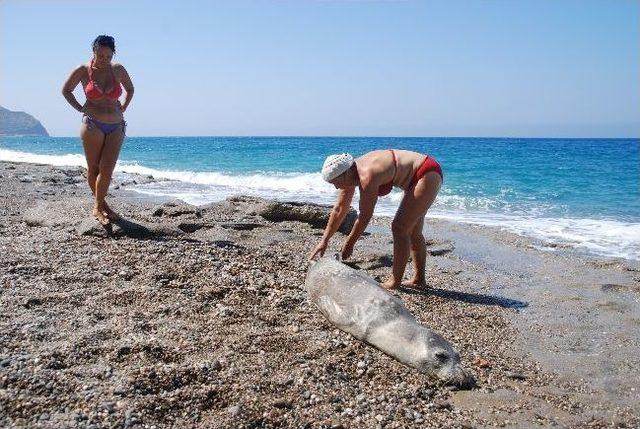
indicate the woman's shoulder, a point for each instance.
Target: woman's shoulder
{"x":81,"y":71}
{"x":81,"y":67}
{"x":119,"y":70}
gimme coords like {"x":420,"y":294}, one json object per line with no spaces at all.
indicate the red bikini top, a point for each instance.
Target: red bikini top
{"x":386,"y":188}
{"x":93,"y":92}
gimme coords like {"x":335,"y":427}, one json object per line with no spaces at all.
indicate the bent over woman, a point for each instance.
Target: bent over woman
{"x":375,"y":174}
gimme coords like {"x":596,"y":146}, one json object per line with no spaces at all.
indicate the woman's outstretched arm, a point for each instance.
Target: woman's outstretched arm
{"x":338,"y":213}
{"x":368,"y":199}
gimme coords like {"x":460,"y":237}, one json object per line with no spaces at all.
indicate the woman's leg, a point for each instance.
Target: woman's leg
{"x":414,"y":205}
{"x":93,"y":141}
{"x":418,"y":255}
{"x":109,"y":157}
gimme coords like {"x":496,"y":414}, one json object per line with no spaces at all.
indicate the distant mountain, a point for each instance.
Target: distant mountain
{"x":19,"y":124}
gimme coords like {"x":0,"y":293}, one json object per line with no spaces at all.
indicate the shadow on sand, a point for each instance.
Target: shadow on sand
{"x":470,"y":298}
{"x":123,"y":227}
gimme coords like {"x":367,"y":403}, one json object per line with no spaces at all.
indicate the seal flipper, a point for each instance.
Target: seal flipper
{"x":334,"y":312}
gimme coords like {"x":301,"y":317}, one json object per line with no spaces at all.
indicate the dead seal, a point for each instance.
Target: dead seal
{"x":358,"y":305}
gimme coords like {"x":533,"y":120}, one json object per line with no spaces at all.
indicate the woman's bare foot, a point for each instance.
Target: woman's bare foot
{"x":415,"y":284}
{"x":101,"y":216}
{"x":390,"y":284}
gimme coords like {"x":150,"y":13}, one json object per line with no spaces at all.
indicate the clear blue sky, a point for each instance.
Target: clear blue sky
{"x":338,"y":67}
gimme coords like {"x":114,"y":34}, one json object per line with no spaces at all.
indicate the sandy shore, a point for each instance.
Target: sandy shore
{"x":196,"y":317}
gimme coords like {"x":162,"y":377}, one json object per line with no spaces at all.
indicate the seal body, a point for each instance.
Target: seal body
{"x":358,"y":305}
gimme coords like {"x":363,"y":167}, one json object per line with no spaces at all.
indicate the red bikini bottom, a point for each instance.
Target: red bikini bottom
{"x":428,"y":165}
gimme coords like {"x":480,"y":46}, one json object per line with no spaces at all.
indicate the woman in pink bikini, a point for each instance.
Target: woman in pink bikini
{"x":103,"y":126}
{"x":375,"y":173}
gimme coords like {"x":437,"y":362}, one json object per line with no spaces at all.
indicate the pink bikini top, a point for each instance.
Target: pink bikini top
{"x":93,"y":92}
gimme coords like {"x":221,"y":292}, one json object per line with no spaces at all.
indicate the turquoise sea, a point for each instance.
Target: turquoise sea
{"x":580,"y":192}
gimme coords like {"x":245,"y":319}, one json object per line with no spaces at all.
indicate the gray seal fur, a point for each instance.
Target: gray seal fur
{"x":358,"y":305}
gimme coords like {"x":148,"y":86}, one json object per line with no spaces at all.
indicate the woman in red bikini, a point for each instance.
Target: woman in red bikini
{"x":375,"y":173}
{"x":103,"y":126}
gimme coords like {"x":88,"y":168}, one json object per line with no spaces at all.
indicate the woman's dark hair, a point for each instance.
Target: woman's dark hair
{"x":106,"y":41}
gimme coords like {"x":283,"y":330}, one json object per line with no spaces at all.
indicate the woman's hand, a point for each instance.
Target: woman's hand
{"x":347,"y":249}
{"x":318,"y":251}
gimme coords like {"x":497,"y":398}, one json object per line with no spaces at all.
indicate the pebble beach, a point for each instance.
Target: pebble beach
{"x":196,"y":316}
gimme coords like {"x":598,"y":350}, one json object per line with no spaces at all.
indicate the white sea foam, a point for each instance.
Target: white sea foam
{"x":68,"y":160}
{"x":603,"y":237}
{"x":606,"y":237}
{"x":289,"y":182}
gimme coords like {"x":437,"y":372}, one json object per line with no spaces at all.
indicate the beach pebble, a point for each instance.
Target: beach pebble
{"x":482,"y":363}
{"x":234,"y":410}
{"x":515,"y":375}
{"x":439,"y":250}
{"x":108,"y":406}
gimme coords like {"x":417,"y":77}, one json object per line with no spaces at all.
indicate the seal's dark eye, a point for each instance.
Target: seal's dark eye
{"x":442,"y":357}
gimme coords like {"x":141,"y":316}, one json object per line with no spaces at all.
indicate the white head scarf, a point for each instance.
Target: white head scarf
{"x":335,"y":165}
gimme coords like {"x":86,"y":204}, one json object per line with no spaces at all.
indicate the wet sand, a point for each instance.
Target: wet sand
{"x":196,"y":317}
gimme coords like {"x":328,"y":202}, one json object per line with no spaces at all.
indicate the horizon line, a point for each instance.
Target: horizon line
{"x":353,"y":136}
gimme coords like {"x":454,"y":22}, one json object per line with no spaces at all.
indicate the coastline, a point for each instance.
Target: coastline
{"x":212,"y":326}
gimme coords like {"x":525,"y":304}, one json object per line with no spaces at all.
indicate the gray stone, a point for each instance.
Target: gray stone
{"x":56,"y":213}
{"x":175,"y":209}
{"x":316,"y":215}
{"x":127,"y":228}
{"x":515,"y":375}
{"x":440,"y":249}
{"x":241,"y":226}
{"x":372,"y":261}
{"x":234,"y":410}
{"x":108,"y":406}
{"x":190,"y":227}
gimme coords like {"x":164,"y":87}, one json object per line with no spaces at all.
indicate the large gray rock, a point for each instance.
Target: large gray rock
{"x":177,"y":208}
{"x":316,"y":215}
{"x":127,"y":228}
{"x":56,"y":213}
{"x":72,"y":212}
{"x":372,"y":261}
{"x":63,"y":176}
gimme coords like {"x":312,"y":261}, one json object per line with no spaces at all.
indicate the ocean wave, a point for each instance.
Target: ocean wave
{"x":602,"y":237}
{"x":290,"y":182}
{"x":199,"y":194}
{"x":67,"y":160}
